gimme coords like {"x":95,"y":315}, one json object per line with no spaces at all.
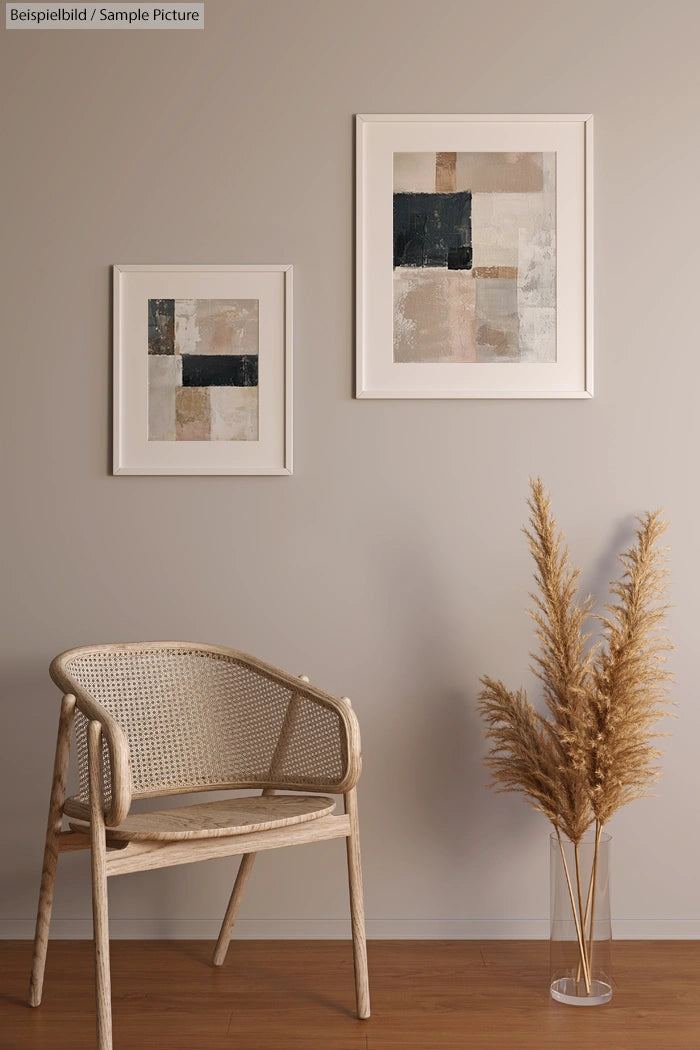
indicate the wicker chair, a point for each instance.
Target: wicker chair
{"x":165,"y":718}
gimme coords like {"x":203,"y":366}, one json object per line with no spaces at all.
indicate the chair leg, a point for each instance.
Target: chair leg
{"x":99,"y":892}
{"x":244,"y":869}
{"x":234,"y":904}
{"x":53,"y":829}
{"x":357,"y":908}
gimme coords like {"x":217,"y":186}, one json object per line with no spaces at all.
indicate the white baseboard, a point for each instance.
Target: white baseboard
{"x":339,"y":929}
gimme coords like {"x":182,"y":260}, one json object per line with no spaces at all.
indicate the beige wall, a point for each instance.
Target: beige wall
{"x":391,"y":565}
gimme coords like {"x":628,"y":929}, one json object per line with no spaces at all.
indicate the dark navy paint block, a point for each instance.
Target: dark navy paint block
{"x":219,"y":370}
{"x":459,"y":258}
{"x":433,"y":229}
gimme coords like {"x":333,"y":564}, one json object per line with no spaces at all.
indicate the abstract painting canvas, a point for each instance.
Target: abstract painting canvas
{"x":202,"y":369}
{"x":474,"y":256}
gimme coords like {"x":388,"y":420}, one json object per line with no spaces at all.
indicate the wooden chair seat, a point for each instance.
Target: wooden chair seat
{"x":233,"y":816}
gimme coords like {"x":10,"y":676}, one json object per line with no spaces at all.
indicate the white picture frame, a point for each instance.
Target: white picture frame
{"x":569,"y":138}
{"x":262,"y":444}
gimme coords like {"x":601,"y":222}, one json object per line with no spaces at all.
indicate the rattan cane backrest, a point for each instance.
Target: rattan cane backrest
{"x":199,"y":718}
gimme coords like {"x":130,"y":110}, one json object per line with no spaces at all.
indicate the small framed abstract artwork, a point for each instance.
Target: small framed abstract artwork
{"x":474,"y":256}
{"x":203,"y":369}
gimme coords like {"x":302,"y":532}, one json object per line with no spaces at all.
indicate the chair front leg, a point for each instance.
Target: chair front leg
{"x":100,"y":917}
{"x":357,"y":908}
{"x":51,"y":849}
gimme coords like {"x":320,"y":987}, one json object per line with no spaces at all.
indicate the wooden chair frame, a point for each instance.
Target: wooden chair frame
{"x":103,"y":827}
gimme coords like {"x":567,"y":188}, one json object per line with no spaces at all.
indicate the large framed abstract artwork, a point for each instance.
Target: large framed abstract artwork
{"x":474,"y":256}
{"x":203,"y":369}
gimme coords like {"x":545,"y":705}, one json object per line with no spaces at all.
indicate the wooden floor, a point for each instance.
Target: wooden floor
{"x":299,"y":995}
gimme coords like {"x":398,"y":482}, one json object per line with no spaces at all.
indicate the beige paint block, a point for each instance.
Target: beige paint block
{"x":227,"y":326}
{"x":434,"y":315}
{"x":445,"y":172}
{"x":216,"y":326}
{"x":499,"y":172}
{"x":414,"y":172}
{"x":164,"y":379}
{"x":495,"y":271}
{"x":192,"y":420}
{"x":234,"y":413}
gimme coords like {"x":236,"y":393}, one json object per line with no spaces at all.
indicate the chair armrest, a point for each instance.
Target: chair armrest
{"x":117,"y":771}
{"x":348,"y":742}
{"x":299,"y":735}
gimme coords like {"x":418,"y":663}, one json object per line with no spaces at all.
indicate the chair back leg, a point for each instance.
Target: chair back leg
{"x":98,"y":855}
{"x":357,"y":908}
{"x":53,"y":831}
{"x":234,"y":904}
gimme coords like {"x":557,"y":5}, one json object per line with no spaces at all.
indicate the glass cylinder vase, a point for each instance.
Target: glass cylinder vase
{"x":581,"y":932}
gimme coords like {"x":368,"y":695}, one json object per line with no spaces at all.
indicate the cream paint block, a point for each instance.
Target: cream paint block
{"x":537,"y":333}
{"x":549,"y":180}
{"x":186,"y":331}
{"x":537,"y":268}
{"x":498,"y":218}
{"x":234,"y":413}
{"x":243,"y":319}
{"x":164,"y":379}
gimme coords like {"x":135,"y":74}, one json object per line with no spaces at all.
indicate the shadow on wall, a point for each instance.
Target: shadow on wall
{"x":596,"y":579}
{"x":433,"y":733}
{"x":30,"y":705}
